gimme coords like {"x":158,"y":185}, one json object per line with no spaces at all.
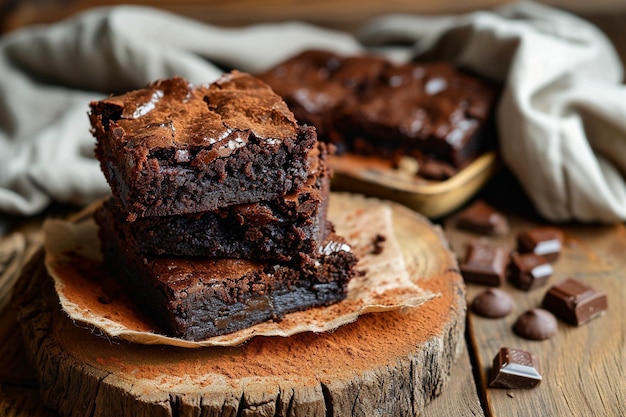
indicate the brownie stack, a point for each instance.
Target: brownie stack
{"x":218,"y":216}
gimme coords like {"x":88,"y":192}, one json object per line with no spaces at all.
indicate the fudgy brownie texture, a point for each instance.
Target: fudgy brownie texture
{"x":175,"y":148}
{"x":280,"y":229}
{"x":202,"y":297}
{"x":418,"y":109}
{"x":315,"y":82}
{"x":366,"y":105}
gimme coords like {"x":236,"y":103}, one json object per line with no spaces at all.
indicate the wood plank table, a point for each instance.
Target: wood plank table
{"x":583,"y":367}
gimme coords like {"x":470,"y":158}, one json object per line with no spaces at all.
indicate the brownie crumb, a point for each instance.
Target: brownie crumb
{"x":377,"y":244}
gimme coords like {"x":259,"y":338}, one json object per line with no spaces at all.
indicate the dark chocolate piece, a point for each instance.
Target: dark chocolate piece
{"x":544,"y":241}
{"x":535,"y":324}
{"x":575,"y":302}
{"x":484,"y":264}
{"x":515,"y":368}
{"x":481,"y":218}
{"x":492,"y":303}
{"x":197,"y":298}
{"x":175,"y":148}
{"x":529,"y":271}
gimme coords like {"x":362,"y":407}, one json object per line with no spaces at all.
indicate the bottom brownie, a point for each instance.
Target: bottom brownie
{"x":197,"y":298}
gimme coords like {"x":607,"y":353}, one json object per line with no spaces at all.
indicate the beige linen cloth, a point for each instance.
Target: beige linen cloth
{"x":561,"y":117}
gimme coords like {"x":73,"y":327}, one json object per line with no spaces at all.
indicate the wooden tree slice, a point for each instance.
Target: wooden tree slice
{"x":384,"y":364}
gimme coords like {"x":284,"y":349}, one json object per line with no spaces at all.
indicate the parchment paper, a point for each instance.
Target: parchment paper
{"x":90,"y":295}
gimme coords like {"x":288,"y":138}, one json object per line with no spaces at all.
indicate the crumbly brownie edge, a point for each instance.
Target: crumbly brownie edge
{"x":210,"y":234}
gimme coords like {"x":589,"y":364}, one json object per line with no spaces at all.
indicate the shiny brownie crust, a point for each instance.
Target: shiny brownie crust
{"x":175,"y":148}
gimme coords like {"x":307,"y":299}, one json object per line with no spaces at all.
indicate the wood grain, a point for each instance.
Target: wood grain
{"x":383,"y":364}
{"x":460,"y":398}
{"x":582,"y":367}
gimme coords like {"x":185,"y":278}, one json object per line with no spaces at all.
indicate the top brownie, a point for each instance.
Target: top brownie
{"x":176,"y":148}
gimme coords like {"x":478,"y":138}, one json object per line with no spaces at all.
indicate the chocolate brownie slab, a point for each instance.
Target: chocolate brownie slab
{"x":425,"y":110}
{"x":432,"y":111}
{"x":315,"y":82}
{"x":279,"y":229}
{"x":196,"y":298}
{"x":175,"y":148}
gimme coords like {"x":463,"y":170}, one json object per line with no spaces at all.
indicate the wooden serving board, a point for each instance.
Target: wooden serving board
{"x":376,"y":177}
{"x":383,"y":364}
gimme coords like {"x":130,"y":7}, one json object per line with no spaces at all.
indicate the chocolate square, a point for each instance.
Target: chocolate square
{"x":515,"y":368}
{"x":481,"y":218}
{"x":575,"y":302}
{"x":529,"y":271}
{"x":544,"y":241}
{"x":484,"y":264}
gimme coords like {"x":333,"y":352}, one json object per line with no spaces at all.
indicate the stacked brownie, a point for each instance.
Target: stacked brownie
{"x":218,"y":215}
{"x":432,"y":112}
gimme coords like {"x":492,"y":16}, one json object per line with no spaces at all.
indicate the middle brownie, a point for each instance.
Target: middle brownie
{"x":278,"y":229}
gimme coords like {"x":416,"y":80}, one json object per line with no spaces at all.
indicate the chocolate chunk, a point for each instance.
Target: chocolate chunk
{"x":515,"y":368}
{"x":481,"y":218}
{"x":492,"y":303}
{"x":545,"y":241}
{"x":535,"y":324}
{"x":484,"y":264}
{"x":529,"y":271}
{"x":574,"y":301}
{"x":432,"y":169}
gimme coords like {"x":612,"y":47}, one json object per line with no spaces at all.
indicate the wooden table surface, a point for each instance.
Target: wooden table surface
{"x":583,"y":367}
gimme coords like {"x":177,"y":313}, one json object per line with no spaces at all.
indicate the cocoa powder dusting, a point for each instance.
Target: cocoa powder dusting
{"x":373,"y":340}
{"x":102,"y":296}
